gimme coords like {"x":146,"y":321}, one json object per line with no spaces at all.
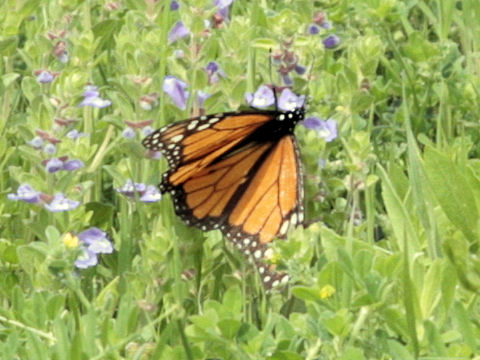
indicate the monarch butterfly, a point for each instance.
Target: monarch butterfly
{"x":238,"y":172}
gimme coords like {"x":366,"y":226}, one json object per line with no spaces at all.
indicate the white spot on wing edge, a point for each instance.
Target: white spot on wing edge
{"x":193,"y":124}
{"x":177,"y":138}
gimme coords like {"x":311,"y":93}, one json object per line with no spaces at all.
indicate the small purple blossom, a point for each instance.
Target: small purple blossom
{"x":325,"y":129}
{"x":86,"y":259}
{"x":178,"y":31}
{"x":289,"y":101}
{"x":25,"y":193}
{"x":331,"y":41}
{"x":287,"y":80}
{"x":176,"y":89}
{"x":45,"y":77}
{"x":146,"y":193}
{"x":73,"y":164}
{"x":50,"y":149}
{"x":223,"y":7}
{"x":327,"y":25}
{"x":92,"y":98}
{"x":174,"y":5}
{"x":130,"y":188}
{"x":75,"y":134}
{"x":128,"y":133}
{"x":300,"y":69}
{"x":97,"y":241}
{"x":57,"y":164}
{"x":53,"y":165}
{"x":313,"y":29}
{"x":262,"y":98}
{"x":202,"y":96}
{"x":61,"y":203}
{"x":36,"y":142}
{"x":151,"y":194}
{"x":214,"y":72}
{"x":147,"y":130}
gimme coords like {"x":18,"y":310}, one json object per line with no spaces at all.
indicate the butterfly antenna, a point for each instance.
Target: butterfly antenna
{"x":309,"y":78}
{"x":270,"y":66}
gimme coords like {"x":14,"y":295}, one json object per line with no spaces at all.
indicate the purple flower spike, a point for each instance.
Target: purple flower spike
{"x":331,"y":41}
{"x":262,"y":98}
{"x":178,"y":31}
{"x":151,"y":195}
{"x":25,"y":193}
{"x":97,"y":241}
{"x":86,"y":259}
{"x":74,"y":164}
{"x":176,"y":89}
{"x":325,"y":129}
{"x":54,"y":165}
{"x":288,"y":101}
{"x":61,"y":203}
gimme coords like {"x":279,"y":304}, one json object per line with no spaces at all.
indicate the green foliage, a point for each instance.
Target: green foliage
{"x":389,"y":267}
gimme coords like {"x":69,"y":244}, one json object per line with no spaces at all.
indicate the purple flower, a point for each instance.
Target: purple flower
{"x":45,"y":77}
{"x":128,"y":133}
{"x":50,"y":149}
{"x":325,"y":129}
{"x":202,"y":96}
{"x":288,"y":101}
{"x":327,"y":25}
{"x":146,"y":193}
{"x":287,"y":80}
{"x":36,"y":142}
{"x":151,"y":194}
{"x":92,"y":98}
{"x":313,"y":29}
{"x":223,"y":7}
{"x":130,"y":188}
{"x":86,"y":259}
{"x":176,"y":89}
{"x":75,"y":134}
{"x":97,"y":241}
{"x":147,"y":130}
{"x":174,"y":5}
{"x":214,"y":72}
{"x":25,"y":193}
{"x":178,"y":31}
{"x":56,"y":164}
{"x":53,"y":165}
{"x":300,"y":70}
{"x":74,"y":164}
{"x":61,"y":203}
{"x":331,"y":41}
{"x":262,"y":98}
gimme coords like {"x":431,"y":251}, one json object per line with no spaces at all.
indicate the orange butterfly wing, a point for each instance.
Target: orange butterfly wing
{"x":225,"y":176}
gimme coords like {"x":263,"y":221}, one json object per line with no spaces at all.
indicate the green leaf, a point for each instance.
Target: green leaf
{"x":453,"y":192}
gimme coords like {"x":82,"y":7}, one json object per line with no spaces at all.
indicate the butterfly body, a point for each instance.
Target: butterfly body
{"x":238,"y":172}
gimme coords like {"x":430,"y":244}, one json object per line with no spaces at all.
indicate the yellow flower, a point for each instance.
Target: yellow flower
{"x":327,"y":291}
{"x":70,"y":240}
